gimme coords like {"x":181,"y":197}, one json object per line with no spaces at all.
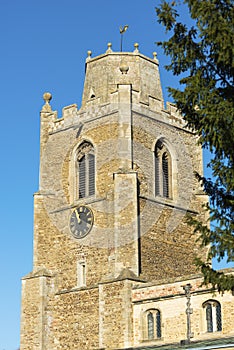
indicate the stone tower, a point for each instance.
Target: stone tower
{"x":116,"y":181}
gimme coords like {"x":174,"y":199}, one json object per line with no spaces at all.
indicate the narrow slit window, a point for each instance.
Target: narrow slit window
{"x":81,"y":274}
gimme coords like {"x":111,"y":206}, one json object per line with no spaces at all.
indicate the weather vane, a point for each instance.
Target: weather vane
{"x":122,"y":30}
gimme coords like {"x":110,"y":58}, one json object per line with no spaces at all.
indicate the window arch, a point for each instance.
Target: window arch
{"x":85,"y":170}
{"x":163,"y":171}
{"x":213,"y":316}
{"x":153,"y":324}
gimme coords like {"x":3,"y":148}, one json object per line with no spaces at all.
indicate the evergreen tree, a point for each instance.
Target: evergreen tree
{"x":202,"y":55}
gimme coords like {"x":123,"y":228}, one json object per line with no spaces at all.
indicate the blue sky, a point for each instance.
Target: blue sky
{"x":43,"y":48}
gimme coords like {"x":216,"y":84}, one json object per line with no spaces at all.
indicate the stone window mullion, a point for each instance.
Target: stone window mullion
{"x":153,"y":324}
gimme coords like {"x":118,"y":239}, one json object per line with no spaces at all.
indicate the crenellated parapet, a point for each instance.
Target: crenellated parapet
{"x":174,"y":115}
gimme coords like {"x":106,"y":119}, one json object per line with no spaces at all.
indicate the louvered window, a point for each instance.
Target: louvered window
{"x":86,"y":170}
{"x":163,"y":185}
{"x":91,"y":177}
{"x":82,"y":177}
{"x":213,"y":316}
{"x":157,"y":175}
{"x":165,"y":175}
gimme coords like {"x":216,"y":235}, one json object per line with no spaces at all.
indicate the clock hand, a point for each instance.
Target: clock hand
{"x":77,"y":216}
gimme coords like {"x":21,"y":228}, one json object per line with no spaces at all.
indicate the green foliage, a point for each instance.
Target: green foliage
{"x":202,"y":55}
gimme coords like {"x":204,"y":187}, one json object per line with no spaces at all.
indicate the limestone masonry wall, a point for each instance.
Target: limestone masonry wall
{"x":94,"y":292}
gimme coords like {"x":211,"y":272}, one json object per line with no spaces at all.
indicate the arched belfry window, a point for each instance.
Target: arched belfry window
{"x":85,"y":170}
{"x":213,"y":316}
{"x":163,"y":172}
{"x":152,"y":324}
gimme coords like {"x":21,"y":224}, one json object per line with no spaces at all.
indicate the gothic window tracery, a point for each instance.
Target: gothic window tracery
{"x":163,"y":183}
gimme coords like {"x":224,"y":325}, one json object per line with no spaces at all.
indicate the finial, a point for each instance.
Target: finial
{"x":123,"y":67}
{"x":47,"y":98}
{"x":89,"y":53}
{"x":155,"y":56}
{"x":136,"y":45}
{"x":109,"y":45}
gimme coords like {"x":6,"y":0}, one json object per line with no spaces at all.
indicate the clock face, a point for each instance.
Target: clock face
{"x":81,"y":221}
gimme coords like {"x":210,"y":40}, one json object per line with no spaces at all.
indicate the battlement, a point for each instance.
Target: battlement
{"x":71,"y":115}
{"x":173,"y":114}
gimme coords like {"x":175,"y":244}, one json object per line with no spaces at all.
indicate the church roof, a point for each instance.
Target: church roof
{"x":209,"y":344}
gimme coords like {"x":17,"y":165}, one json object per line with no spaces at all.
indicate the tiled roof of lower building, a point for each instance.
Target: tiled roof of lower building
{"x":221,"y":343}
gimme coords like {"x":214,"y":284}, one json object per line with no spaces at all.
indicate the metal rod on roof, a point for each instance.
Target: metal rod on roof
{"x":122,"y":31}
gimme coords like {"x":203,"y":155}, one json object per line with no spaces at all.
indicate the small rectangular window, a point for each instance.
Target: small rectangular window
{"x":81,"y":273}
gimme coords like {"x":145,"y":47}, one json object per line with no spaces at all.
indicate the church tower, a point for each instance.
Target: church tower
{"x":116,"y":182}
